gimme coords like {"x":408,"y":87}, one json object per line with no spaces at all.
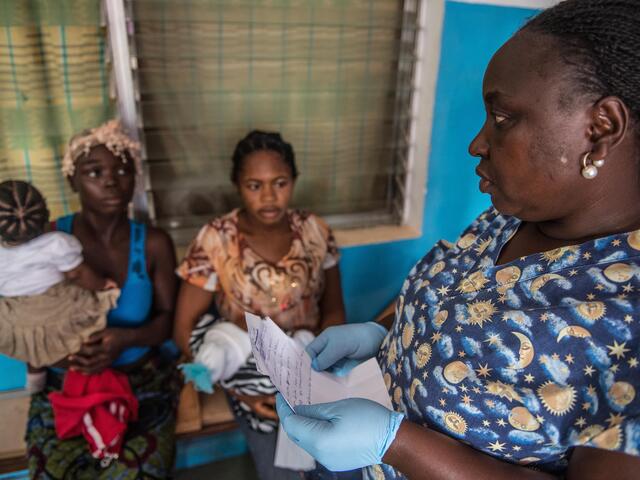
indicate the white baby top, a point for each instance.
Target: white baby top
{"x":32,"y":267}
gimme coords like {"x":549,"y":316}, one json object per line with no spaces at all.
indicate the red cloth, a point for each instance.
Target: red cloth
{"x":97,"y":406}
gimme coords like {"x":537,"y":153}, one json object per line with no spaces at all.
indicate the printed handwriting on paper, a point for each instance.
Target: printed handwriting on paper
{"x":289,"y":367}
{"x":282,"y":359}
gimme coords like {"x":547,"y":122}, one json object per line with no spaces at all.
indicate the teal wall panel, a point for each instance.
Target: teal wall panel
{"x":193,"y":452}
{"x":12,"y":373}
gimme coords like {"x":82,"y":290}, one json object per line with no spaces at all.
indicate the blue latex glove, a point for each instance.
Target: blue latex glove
{"x":342,"y":435}
{"x":199,"y":375}
{"x":343,"y":367}
{"x":342,"y":347}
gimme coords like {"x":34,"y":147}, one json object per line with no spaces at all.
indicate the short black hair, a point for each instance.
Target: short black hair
{"x":257,"y":140}
{"x":23,"y":212}
{"x":600,"y":39}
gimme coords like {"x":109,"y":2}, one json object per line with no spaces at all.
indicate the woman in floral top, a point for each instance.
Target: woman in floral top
{"x":290,"y":289}
{"x":267,"y":259}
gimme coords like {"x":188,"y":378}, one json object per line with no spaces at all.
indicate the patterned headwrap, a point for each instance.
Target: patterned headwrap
{"x":111,"y":135}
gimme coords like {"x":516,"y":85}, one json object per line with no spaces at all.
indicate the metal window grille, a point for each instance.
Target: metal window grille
{"x":334,"y":77}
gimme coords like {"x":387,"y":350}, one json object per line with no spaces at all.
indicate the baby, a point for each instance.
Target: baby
{"x":51,"y":301}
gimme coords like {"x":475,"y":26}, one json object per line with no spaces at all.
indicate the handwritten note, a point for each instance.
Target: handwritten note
{"x":282,"y":359}
{"x":288,"y":366}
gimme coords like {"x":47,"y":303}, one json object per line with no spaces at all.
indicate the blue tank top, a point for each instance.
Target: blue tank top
{"x":136,"y":295}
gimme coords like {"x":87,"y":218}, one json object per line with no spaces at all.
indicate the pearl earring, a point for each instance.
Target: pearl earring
{"x":590,"y":171}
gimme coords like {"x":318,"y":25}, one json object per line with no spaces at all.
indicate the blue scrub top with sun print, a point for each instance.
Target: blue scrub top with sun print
{"x":522,"y":361}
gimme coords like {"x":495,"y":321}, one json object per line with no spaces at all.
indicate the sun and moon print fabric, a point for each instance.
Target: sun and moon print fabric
{"x":524,"y":360}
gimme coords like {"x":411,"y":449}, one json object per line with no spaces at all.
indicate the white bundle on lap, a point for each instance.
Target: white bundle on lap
{"x":225,"y":348}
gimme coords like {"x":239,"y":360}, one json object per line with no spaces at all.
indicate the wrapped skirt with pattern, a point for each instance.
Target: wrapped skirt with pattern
{"x":149,"y":447}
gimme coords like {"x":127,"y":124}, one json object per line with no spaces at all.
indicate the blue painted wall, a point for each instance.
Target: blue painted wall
{"x":372,"y":275}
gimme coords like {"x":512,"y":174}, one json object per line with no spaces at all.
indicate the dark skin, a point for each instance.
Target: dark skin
{"x":84,"y":276}
{"x":530,"y":150}
{"x":265,"y":185}
{"x":530,"y":157}
{"x":105,"y":185}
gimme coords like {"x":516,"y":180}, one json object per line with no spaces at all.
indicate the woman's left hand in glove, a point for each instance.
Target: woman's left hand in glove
{"x":342,"y":435}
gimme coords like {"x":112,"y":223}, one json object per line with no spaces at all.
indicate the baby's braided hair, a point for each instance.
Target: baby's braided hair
{"x":23,"y":212}
{"x":601,"y":40}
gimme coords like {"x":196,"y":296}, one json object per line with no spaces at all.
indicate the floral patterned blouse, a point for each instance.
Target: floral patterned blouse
{"x":522,"y":361}
{"x":220,"y":260}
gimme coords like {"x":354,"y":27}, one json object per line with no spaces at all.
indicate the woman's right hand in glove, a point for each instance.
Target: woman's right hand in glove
{"x":338,"y":349}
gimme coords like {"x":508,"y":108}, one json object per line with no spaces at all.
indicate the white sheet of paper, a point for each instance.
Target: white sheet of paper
{"x":289,"y":368}
{"x":291,"y":456}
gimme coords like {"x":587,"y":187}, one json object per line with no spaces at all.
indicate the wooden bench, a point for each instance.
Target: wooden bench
{"x":214,"y":417}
